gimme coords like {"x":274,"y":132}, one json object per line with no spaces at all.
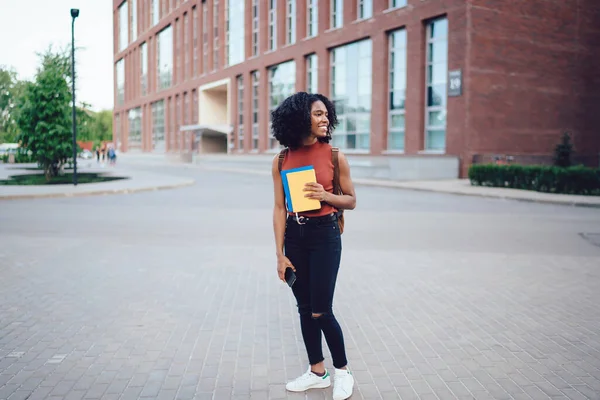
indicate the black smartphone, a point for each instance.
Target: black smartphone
{"x":290,"y":276}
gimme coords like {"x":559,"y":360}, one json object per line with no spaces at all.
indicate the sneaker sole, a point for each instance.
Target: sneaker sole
{"x":317,"y":386}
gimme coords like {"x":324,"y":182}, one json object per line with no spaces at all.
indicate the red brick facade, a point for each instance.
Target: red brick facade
{"x":530,"y":71}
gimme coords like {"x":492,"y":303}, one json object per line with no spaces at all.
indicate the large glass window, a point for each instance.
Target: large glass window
{"x":312,"y":69}
{"x":255,"y":76}
{"x":155,"y":12}
{"x":158,"y":125}
{"x":215,"y":34}
{"x":165,"y":58}
{"x":365,"y":9}
{"x":337,"y":13}
{"x":312,"y":18}
{"x":120,"y":81}
{"x":195,"y":39}
{"x":437,"y":79}
{"x":255,"y":28}
{"x":272,"y":24}
{"x":186,"y":46}
{"x":134,"y":138}
{"x":282,"y":83}
{"x":134,"y":20}
{"x":351,"y":78}
{"x":240,"y":112}
{"x":398,"y":3}
{"x":123,"y":26}
{"x":144,"y":68}
{"x":397,"y":89}
{"x":236,"y":43}
{"x":204,"y":38}
{"x":290,"y":18}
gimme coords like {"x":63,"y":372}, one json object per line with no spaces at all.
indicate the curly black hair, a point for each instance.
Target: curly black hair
{"x":291,"y":122}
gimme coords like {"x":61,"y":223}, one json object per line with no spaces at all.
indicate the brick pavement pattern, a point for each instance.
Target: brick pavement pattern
{"x":173,"y":295}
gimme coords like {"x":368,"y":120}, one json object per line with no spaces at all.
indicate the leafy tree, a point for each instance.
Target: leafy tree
{"x":44,"y":117}
{"x":10,"y":90}
{"x":563,"y":151}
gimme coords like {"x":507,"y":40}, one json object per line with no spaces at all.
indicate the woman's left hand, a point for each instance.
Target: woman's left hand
{"x":315,"y":191}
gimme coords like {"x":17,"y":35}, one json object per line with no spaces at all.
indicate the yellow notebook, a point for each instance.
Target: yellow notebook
{"x":293,"y":186}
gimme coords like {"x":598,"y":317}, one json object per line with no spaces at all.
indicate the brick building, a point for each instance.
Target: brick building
{"x":425,"y":84}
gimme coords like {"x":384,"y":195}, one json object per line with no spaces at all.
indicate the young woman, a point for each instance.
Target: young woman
{"x":309,"y":243}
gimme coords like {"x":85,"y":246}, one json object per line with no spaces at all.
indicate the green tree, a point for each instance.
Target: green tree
{"x":10,"y":90}
{"x":44,"y":117}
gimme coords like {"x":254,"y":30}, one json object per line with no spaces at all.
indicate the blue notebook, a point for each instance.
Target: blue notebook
{"x":294,"y":181}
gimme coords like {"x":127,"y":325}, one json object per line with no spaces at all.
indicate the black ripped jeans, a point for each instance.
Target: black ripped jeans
{"x":315,"y":249}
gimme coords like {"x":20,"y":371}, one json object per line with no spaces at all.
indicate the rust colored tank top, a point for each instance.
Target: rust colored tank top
{"x":319,"y":156}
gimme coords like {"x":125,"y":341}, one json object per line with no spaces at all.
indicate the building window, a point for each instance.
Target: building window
{"x":254,"y":27}
{"x":194,"y":106}
{"x":186,"y":46}
{"x":123,"y":26}
{"x":351,"y":93}
{"x":120,"y":81}
{"x":118,"y":132}
{"x":144,"y":68}
{"x":134,"y":137}
{"x":312,"y":18}
{"x":398,"y":3}
{"x":186,"y":108}
{"x":133,"y":20}
{"x":437,"y":78}
{"x":290,"y":19}
{"x":236,"y":43}
{"x":215,"y":34}
{"x":204,"y":38}
{"x":195,"y":39}
{"x":158,"y":125}
{"x":397,"y":89}
{"x":240,"y":113}
{"x":337,"y":13}
{"x":365,"y":9}
{"x":177,"y":117}
{"x":282,"y":83}
{"x":312,"y":73}
{"x":172,"y":133}
{"x":165,"y":58}
{"x":255,"y":76}
{"x":155,"y":12}
{"x":272,"y":24}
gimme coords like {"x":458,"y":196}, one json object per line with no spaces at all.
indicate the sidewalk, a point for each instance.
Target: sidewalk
{"x":453,"y":186}
{"x":136,"y":181}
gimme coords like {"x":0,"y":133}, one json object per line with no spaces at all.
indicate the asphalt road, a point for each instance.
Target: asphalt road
{"x":174,"y":294}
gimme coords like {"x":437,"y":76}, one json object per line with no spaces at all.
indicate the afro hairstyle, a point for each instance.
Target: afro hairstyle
{"x":291,"y":122}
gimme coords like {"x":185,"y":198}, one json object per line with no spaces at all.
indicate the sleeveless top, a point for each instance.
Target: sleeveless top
{"x":319,"y":156}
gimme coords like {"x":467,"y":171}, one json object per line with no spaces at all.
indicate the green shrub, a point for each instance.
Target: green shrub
{"x":550,"y":179}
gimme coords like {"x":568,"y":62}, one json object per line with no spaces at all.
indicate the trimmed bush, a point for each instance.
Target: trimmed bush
{"x":571,"y":180}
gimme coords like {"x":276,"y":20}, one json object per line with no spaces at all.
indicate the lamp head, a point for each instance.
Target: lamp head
{"x":74,"y":12}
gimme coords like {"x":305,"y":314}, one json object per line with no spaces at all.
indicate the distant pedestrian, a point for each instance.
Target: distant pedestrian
{"x":310,"y":242}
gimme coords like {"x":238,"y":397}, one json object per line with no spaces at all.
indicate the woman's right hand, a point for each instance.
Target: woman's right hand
{"x":282,"y":264}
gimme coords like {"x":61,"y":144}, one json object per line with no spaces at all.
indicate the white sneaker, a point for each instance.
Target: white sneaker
{"x":343,"y":384}
{"x":309,"y":380}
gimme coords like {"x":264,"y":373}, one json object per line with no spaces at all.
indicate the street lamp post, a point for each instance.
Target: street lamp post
{"x":74,"y":14}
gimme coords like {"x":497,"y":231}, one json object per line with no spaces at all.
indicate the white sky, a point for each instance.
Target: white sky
{"x":30,"y":26}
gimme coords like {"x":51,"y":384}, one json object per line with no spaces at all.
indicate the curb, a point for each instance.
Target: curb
{"x":101,"y":192}
{"x":396,"y":185}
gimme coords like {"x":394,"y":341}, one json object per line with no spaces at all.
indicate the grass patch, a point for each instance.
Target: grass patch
{"x":40,"y":179}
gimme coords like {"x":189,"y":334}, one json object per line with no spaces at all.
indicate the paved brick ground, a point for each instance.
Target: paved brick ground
{"x":173,"y":295}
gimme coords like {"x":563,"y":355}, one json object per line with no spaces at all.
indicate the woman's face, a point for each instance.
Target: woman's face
{"x":319,"y":120}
